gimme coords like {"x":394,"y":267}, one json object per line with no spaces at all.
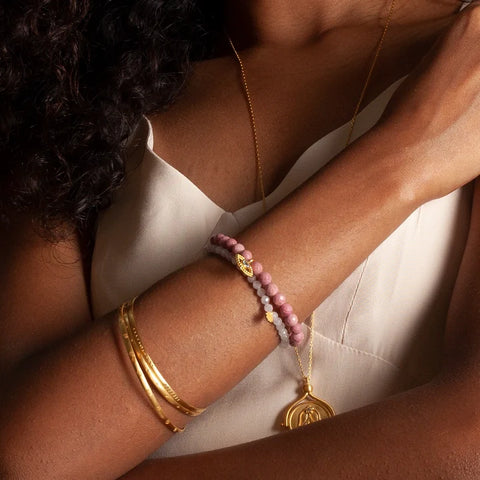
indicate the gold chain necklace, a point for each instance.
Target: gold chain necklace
{"x":248,"y":97}
{"x":308,"y":408}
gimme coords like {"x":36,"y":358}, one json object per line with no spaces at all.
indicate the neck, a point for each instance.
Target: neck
{"x":303,"y":21}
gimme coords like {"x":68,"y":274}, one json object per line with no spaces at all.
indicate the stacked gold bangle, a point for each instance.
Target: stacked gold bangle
{"x":147,"y":372}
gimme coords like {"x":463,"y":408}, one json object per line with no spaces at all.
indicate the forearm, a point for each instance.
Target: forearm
{"x":310,"y":243}
{"x":429,"y":432}
{"x":420,"y":434}
{"x":201,"y":325}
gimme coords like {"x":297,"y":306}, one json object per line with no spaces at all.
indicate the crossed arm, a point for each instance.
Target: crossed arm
{"x":71,"y":404}
{"x":429,"y":432}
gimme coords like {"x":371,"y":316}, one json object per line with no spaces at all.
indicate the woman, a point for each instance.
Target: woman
{"x":201,"y":323}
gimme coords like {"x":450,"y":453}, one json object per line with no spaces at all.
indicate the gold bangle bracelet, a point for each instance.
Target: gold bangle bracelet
{"x":138,"y":370}
{"x":151,"y":370}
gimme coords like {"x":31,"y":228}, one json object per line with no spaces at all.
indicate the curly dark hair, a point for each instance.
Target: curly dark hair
{"x":75,"y":78}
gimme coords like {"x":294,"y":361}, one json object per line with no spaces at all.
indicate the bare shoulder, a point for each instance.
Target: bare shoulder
{"x":43,"y":291}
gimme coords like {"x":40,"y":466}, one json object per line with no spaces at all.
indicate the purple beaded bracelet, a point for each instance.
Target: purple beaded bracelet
{"x":277,"y":310}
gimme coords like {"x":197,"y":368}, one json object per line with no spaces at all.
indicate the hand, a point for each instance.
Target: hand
{"x":433,"y":120}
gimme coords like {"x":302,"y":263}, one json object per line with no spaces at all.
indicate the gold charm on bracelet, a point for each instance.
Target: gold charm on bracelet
{"x":307,"y":409}
{"x":269,"y":317}
{"x":244,"y":265}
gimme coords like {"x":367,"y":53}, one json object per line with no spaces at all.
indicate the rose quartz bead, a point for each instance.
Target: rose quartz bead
{"x":218,"y":238}
{"x":279,"y":299}
{"x":257,"y":268}
{"x":271,"y":290}
{"x":230,"y":243}
{"x":297,"y":339}
{"x":247,"y":255}
{"x":297,"y":328}
{"x":291,"y":320}
{"x":285,"y":310}
{"x":238,"y":248}
{"x":264,"y":278}
{"x":223,"y":241}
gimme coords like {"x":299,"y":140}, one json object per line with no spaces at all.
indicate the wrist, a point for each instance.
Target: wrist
{"x":388,"y":168}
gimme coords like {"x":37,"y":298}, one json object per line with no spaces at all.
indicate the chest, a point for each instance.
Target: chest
{"x":296,"y":97}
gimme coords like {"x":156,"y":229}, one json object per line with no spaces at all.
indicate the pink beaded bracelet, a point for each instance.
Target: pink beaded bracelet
{"x":277,"y":310}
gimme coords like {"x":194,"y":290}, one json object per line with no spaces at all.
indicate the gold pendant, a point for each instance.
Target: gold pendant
{"x":307,"y":409}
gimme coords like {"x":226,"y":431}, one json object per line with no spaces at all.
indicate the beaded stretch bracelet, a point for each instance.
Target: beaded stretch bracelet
{"x":277,"y":310}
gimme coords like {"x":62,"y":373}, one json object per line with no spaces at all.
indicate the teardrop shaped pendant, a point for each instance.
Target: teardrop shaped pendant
{"x":307,"y":409}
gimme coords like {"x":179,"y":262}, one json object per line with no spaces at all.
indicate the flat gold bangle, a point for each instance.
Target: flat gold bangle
{"x":138,"y":370}
{"x":151,"y":370}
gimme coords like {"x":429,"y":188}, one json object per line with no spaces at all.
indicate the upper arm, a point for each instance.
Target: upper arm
{"x":43,"y":294}
{"x":463,"y":327}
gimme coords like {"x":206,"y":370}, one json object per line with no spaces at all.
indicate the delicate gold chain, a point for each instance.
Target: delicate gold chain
{"x":258,"y":162}
{"x":308,"y":375}
{"x":370,"y":72}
